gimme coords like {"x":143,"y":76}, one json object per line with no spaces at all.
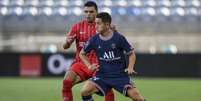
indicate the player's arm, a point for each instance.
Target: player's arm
{"x":85,"y":60}
{"x":87,"y":48}
{"x":71,"y":35}
{"x":131,"y":55}
{"x":131,"y":63}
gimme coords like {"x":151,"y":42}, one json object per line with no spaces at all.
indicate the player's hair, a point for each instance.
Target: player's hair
{"x":105,"y":17}
{"x":91,"y":4}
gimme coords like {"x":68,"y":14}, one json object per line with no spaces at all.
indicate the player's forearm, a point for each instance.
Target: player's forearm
{"x":131,"y":60}
{"x":84,"y":59}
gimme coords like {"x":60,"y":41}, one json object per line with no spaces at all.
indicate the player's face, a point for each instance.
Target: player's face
{"x":90,"y":13}
{"x":101,"y":27}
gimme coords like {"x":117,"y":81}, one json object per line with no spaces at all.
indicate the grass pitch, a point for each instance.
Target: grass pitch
{"x":49,"y":89}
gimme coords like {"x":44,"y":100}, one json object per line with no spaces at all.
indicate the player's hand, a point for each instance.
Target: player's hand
{"x":130,"y":71}
{"x":93,"y":67}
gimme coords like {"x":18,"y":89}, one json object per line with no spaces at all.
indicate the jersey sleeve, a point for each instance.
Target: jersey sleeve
{"x":125,"y":45}
{"x":89,"y":45}
{"x":71,"y":35}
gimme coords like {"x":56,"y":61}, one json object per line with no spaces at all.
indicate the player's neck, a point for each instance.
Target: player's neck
{"x":106,"y":35}
{"x":90,"y":21}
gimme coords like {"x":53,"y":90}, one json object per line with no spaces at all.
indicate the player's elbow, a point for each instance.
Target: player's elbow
{"x":132,"y":55}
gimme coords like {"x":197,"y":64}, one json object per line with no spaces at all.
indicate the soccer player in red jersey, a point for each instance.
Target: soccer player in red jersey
{"x":80,"y":33}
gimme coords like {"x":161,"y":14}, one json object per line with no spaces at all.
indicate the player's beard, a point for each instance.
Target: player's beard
{"x":90,"y":19}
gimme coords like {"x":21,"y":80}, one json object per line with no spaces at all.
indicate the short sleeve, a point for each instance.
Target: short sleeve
{"x":89,"y":45}
{"x":71,"y":35}
{"x":125,"y":45}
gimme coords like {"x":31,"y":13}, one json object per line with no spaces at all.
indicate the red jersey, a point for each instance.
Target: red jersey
{"x":80,"y":33}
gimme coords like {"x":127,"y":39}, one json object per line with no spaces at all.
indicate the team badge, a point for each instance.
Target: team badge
{"x":99,"y":47}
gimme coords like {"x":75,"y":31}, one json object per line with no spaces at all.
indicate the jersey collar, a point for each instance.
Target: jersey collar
{"x":106,"y":38}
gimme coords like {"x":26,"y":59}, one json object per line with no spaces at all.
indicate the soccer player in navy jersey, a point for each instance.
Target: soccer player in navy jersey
{"x":80,"y":33}
{"x":113,"y":72}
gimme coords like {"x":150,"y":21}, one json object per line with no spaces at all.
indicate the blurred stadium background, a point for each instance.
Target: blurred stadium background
{"x":166,"y":35}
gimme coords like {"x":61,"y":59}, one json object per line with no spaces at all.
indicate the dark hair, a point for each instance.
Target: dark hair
{"x":105,"y":17}
{"x":91,"y":4}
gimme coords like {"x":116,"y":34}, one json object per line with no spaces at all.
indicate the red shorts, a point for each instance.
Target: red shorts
{"x":80,"y":69}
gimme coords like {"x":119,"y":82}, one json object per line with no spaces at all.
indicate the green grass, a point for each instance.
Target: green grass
{"x":49,"y":89}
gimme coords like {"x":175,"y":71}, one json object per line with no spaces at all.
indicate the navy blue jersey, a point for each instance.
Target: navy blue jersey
{"x":110,"y":53}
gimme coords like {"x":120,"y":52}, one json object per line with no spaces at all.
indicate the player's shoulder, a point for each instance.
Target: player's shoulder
{"x":118,"y":35}
{"x":79,"y":23}
{"x":95,"y":37}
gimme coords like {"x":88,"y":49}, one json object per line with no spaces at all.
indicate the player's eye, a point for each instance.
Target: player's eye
{"x":89,"y":11}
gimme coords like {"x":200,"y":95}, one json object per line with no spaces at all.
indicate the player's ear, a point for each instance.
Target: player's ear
{"x":107,"y":24}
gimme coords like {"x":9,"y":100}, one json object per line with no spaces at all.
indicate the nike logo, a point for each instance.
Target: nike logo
{"x":82,"y":32}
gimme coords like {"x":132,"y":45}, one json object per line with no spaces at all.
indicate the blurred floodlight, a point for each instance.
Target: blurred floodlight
{"x":137,"y":3}
{"x":47,"y":11}
{"x":62,"y":11}
{"x":49,"y":2}
{"x":180,"y":11}
{"x":49,"y":49}
{"x":20,"y":2}
{"x":4,"y":2}
{"x":32,"y":2}
{"x":64,"y":2}
{"x":33,"y":11}
{"x":151,"y":3}
{"x":136,"y":11}
{"x":152,"y":49}
{"x":53,"y":48}
{"x":4,"y":11}
{"x":77,"y":11}
{"x":181,"y":2}
{"x":122,"y":11}
{"x":106,"y":9}
{"x":78,"y":2}
{"x":196,"y":3}
{"x":173,"y":49}
{"x":151,"y":11}
{"x":178,"y":3}
{"x":165,"y":3}
{"x":192,"y":11}
{"x":107,"y":2}
{"x":35,"y":2}
{"x":122,"y":3}
{"x":165,"y":11}
{"x":18,"y":11}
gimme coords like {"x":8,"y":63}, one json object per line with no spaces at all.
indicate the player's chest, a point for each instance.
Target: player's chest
{"x":85,"y":33}
{"x":103,"y":46}
{"x":108,"y":51}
